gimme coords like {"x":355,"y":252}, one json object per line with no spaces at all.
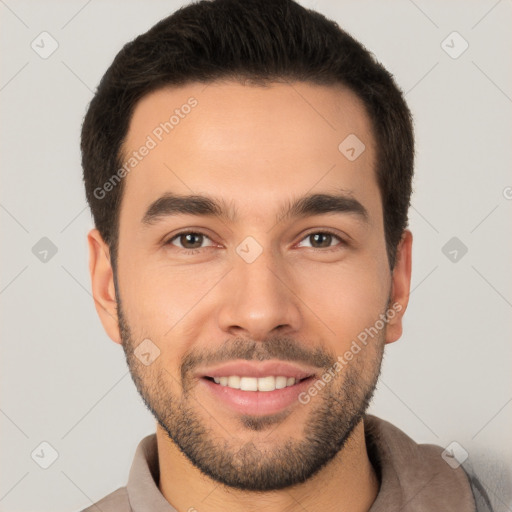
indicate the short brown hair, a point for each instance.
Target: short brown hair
{"x":260,"y":41}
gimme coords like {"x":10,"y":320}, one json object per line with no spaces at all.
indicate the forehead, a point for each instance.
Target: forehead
{"x":253,"y":146}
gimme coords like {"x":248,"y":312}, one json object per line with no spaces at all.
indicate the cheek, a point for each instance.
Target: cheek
{"x":161,"y":302}
{"x":346,"y":297}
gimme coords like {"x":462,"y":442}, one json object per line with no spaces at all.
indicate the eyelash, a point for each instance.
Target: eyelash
{"x":195,"y":251}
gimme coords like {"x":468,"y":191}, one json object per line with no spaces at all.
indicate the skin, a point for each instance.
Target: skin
{"x":258,"y":148}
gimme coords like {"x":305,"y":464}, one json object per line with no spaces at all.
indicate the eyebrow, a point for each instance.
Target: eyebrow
{"x":171,"y":204}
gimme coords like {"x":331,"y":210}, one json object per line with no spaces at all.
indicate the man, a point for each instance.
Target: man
{"x":248,"y":165}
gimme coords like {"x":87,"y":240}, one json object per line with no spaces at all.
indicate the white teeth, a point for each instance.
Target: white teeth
{"x":280,"y":382}
{"x":269,"y":383}
{"x":234,"y":381}
{"x":248,"y":383}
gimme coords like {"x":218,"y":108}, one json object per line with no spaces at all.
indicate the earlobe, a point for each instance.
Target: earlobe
{"x":102,"y":281}
{"x":400,"y":288}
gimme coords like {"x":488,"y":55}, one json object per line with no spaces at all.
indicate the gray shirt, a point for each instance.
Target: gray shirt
{"x":413,"y":477}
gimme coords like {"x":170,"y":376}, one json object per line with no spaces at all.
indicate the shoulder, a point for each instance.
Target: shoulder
{"x":116,"y":501}
{"x":415,"y":476}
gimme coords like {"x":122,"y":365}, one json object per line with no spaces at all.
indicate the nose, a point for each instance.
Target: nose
{"x":258,"y":300}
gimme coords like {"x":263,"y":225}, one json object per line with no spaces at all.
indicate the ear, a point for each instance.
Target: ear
{"x":400,"y":287}
{"x":102,"y":279}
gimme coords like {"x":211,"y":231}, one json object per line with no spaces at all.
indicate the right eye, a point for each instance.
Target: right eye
{"x":189,"y":240}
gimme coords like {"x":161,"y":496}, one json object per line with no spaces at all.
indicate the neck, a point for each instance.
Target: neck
{"x":346,"y":483}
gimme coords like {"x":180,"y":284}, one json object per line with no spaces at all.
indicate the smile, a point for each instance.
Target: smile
{"x":268,"y":383}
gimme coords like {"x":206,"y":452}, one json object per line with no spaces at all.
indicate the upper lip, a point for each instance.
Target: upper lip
{"x":258,"y":369}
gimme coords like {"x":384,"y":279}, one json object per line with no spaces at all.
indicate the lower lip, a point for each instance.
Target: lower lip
{"x":257,"y":402}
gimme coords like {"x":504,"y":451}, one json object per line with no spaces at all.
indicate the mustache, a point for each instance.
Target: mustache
{"x":281,"y":348}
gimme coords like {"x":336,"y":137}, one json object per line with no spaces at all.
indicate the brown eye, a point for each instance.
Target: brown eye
{"x":323,"y":240}
{"x":189,"y":240}
{"x":194,"y":239}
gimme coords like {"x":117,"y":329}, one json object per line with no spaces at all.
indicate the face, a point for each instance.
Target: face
{"x":254,"y":295}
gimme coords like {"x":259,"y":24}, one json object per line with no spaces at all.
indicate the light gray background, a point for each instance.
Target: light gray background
{"x":63,"y":380}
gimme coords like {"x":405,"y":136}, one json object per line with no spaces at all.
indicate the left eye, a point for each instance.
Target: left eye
{"x":322,"y":239}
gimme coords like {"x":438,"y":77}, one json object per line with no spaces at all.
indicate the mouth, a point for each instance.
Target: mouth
{"x":260,"y":388}
{"x":264,"y":384}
